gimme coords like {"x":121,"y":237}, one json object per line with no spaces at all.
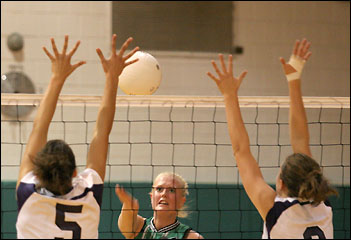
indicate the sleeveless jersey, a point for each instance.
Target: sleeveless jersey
{"x":290,"y":218}
{"x":41,"y":214}
{"x":176,"y":230}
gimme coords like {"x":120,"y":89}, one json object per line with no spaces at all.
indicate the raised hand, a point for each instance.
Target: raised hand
{"x":225,"y":81}
{"x":61,"y":62}
{"x":297,"y":60}
{"x":126,"y":199}
{"x":116,"y":63}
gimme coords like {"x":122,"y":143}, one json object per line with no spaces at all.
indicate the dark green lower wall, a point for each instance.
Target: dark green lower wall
{"x":216,"y":211}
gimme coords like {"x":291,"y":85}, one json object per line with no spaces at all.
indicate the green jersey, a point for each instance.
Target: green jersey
{"x":176,"y":230}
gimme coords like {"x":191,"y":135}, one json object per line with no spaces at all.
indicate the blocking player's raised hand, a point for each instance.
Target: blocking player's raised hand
{"x":226,"y":82}
{"x":298,"y":58}
{"x":117,"y":62}
{"x":61,"y":62}
{"x":299,"y":134}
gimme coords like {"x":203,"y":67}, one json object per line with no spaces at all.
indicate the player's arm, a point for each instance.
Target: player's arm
{"x":112,"y":67}
{"x":129,"y":222}
{"x":193,"y":235}
{"x":61,"y":68}
{"x":299,"y":135}
{"x":259,"y":192}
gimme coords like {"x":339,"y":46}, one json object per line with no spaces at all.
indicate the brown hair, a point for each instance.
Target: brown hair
{"x":304,"y":179}
{"x":54,"y":166}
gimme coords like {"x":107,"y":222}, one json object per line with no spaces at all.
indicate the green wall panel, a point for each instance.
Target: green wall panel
{"x":216,"y":211}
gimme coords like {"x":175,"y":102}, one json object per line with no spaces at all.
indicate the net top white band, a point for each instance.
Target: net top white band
{"x":177,"y":101}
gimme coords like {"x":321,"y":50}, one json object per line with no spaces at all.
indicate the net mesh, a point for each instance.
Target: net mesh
{"x":188,"y":136}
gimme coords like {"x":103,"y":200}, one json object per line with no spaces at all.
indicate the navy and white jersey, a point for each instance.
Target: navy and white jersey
{"x":290,"y":218}
{"x":74,"y":215}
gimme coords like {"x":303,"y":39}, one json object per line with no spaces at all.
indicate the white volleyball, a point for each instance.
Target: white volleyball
{"x":142,"y":77}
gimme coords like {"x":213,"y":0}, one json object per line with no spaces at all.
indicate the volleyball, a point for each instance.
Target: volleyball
{"x":142,"y":77}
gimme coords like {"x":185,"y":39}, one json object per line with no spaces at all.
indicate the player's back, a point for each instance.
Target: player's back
{"x":74,"y":215}
{"x":290,"y":218}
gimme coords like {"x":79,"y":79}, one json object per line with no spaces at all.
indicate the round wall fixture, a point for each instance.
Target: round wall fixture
{"x":16,"y":82}
{"x":15,"y":41}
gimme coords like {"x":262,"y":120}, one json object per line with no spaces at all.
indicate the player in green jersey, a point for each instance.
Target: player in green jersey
{"x":168,"y":197}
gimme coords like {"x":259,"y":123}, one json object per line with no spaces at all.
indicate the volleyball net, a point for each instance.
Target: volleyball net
{"x":188,"y":136}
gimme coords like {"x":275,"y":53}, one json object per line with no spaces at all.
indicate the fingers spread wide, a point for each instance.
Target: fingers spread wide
{"x":99,"y":52}
{"x":48,"y":54}
{"x":70,"y":54}
{"x":65,"y":45}
{"x":54,"y":48}
{"x":125,"y":46}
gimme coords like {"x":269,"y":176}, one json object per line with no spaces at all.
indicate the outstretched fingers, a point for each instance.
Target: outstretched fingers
{"x":216,"y":68}
{"x":131,"y":53}
{"x":70,"y":54}
{"x":301,"y":47}
{"x":125,"y":46}
{"x":305,"y":51}
{"x":282,"y":61}
{"x":230,"y":64}
{"x":131,"y":62}
{"x":65,"y":45}
{"x":305,"y":47}
{"x":123,"y":195}
{"x":296,"y":47}
{"x":54,"y":48}
{"x":75,"y":66}
{"x":213,"y":77}
{"x":120,"y":192}
{"x":224,"y":69}
{"x":113,"y":44}
{"x":101,"y":56}
{"x":307,"y":56}
{"x":56,"y":53}
{"x":242,"y":76}
{"x":48,"y":54}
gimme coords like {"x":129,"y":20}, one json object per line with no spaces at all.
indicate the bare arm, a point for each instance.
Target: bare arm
{"x":113,"y":67}
{"x":61,"y":69}
{"x":259,"y":192}
{"x":129,"y":222}
{"x":299,"y":135}
{"x":193,"y":235}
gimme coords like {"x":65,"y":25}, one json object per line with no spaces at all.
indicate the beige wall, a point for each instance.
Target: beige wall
{"x":266,"y":31}
{"x":87,"y":21}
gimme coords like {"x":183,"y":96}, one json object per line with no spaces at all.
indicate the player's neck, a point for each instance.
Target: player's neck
{"x":282,"y":194}
{"x":163,"y":219}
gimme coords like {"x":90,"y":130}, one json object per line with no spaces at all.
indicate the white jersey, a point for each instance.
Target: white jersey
{"x":289,"y":218}
{"x":74,"y":215}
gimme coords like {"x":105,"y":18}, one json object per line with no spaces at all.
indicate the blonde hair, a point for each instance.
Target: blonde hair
{"x":182,"y":213}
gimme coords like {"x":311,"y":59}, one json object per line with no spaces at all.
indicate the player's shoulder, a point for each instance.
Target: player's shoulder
{"x":29,"y":178}
{"x":90,"y":176}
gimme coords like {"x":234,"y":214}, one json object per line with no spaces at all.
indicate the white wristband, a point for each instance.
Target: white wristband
{"x":297,"y":63}
{"x":293,"y":76}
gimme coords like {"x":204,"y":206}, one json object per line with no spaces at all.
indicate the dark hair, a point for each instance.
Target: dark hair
{"x":304,"y":179}
{"x":54,"y":166}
